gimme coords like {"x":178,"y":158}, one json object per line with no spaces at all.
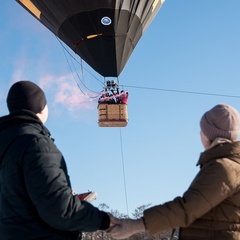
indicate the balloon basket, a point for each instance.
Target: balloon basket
{"x":112,"y":115}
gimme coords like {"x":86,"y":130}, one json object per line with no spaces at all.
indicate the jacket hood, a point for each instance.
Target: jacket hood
{"x":15,"y":124}
{"x":221,"y":149}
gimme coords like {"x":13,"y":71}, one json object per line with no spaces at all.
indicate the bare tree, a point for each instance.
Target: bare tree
{"x":138,"y":213}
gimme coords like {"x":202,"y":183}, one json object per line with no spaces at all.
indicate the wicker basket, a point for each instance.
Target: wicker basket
{"x":112,"y":115}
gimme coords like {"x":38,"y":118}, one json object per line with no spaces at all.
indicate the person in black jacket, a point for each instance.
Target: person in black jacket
{"x":36,"y":200}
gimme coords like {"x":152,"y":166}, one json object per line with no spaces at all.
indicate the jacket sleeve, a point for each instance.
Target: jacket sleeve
{"x":49,"y":189}
{"x":211,"y":186}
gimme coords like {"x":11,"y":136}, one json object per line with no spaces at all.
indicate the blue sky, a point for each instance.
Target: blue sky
{"x":187,"y":61}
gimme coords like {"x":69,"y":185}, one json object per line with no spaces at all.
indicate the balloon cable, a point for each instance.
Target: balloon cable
{"x":124,"y":175}
{"x":81,"y":65}
{"x":183,"y":91}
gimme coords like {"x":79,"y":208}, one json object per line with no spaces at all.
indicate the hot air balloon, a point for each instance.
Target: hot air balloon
{"x":103,"y":33}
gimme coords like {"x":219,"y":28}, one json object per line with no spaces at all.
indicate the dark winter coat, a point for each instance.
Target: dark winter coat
{"x":36,"y":201}
{"x":210,"y":208}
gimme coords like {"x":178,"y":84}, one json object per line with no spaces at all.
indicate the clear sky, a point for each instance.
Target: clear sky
{"x":187,"y":61}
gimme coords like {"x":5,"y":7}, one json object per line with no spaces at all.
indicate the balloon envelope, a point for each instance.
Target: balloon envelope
{"x":102,"y":32}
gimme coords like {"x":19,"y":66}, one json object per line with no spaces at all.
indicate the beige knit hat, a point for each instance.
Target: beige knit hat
{"x":221,"y":121}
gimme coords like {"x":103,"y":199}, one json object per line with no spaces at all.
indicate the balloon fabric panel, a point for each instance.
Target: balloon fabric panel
{"x":103,"y":33}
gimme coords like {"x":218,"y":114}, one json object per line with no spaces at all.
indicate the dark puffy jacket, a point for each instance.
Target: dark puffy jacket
{"x":210,"y":208}
{"x":36,"y":201}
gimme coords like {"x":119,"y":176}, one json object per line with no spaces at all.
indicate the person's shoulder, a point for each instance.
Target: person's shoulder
{"x":227,"y":169}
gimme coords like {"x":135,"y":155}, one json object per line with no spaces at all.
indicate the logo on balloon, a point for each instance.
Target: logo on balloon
{"x":106,"y":21}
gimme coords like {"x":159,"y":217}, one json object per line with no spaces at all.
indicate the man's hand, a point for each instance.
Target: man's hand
{"x":124,"y":228}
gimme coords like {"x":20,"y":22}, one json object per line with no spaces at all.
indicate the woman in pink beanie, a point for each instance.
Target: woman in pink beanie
{"x":210,"y":208}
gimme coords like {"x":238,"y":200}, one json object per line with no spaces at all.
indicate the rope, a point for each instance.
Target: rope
{"x":183,"y":91}
{"x":124,"y":175}
{"x":65,"y":50}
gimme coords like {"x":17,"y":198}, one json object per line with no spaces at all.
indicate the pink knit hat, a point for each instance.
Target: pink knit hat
{"x":221,"y":121}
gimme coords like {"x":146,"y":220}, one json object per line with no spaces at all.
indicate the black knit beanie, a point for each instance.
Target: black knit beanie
{"x":26,"y":95}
